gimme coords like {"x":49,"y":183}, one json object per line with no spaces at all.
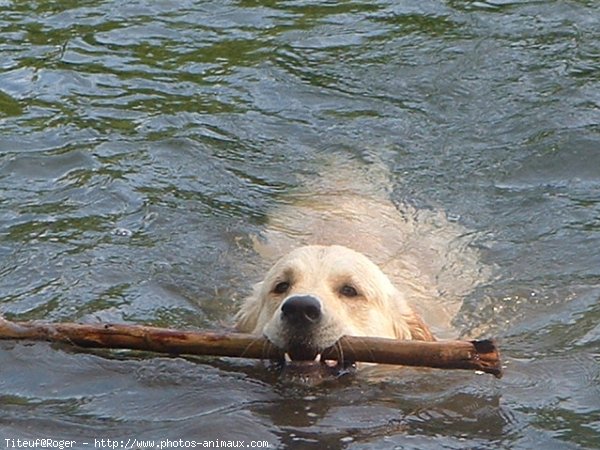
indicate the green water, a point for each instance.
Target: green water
{"x":142,"y":144}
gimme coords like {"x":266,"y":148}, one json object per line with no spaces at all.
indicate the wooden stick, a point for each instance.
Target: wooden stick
{"x":472,"y":355}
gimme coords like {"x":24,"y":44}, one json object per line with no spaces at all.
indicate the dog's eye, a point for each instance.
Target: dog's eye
{"x":348,"y":291}
{"x":281,"y":287}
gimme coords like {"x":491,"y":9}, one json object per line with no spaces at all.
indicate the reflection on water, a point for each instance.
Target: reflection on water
{"x":142,"y":144}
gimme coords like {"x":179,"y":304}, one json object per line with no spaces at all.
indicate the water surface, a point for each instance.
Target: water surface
{"x":143,"y":143}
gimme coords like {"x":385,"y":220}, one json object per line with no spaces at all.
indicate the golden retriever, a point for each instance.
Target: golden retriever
{"x":352,"y":262}
{"x":316,"y":294}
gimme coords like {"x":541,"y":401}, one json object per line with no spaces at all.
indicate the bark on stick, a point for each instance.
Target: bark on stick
{"x":471,"y":355}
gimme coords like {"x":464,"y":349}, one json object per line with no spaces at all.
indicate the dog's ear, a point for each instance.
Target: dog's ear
{"x":407,"y":323}
{"x":247,"y":317}
{"x":411,"y":327}
{"x":418,"y":330}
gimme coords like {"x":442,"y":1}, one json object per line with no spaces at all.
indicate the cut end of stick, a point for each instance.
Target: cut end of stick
{"x":489,"y":356}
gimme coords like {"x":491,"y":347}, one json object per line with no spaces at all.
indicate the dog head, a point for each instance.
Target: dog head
{"x":316,"y":294}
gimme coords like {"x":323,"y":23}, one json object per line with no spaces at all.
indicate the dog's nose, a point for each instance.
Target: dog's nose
{"x":301,"y":310}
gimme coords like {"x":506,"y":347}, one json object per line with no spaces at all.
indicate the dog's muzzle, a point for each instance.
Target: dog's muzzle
{"x":302,"y":316}
{"x":301,"y":310}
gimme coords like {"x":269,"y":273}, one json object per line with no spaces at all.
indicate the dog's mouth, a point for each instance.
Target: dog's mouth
{"x":302,"y":352}
{"x":309,"y":359}
{"x":309,"y":366}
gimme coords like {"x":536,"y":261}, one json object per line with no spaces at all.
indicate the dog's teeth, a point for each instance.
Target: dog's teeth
{"x":287,"y":357}
{"x":318,"y":357}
